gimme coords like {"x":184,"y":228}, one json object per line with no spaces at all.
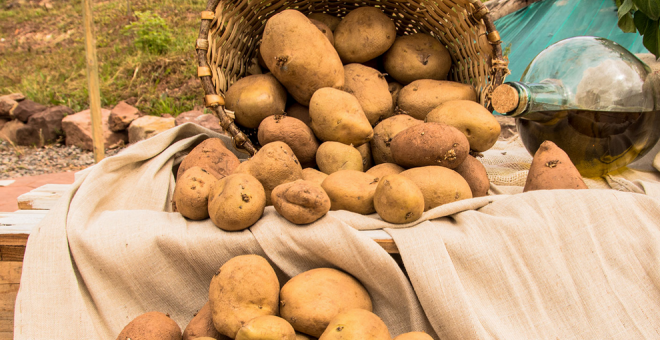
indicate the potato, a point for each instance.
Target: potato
{"x":300,"y":202}
{"x":414,"y":336}
{"x":475,"y":121}
{"x":351,"y":190}
{"x":430,"y":144}
{"x":274,"y":164}
{"x":312,"y":298}
{"x":398,"y":199}
{"x":301,"y":336}
{"x":330,"y":20}
{"x":552,"y":169}
{"x":364,"y":34}
{"x":370,"y":88}
{"x":356,"y":324}
{"x":417,"y":56}
{"x":211,"y":155}
{"x":381,"y":170}
{"x":334,"y":156}
{"x":475,"y":175}
{"x":151,"y":326}
{"x":244,"y":288}
{"x":324,"y":29}
{"x":267,"y":327}
{"x":420,"y":97}
{"x":294,"y":133}
{"x":300,"y":112}
{"x":395,"y":89}
{"x":254,"y":98}
{"x":202,"y":326}
{"x":337,"y":116}
{"x":313,"y":175}
{"x":300,"y":56}
{"x":439,"y":185}
{"x":191,"y":193}
{"x":383,"y":134}
{"x":236,"y":202}
{"x":367,"y":159}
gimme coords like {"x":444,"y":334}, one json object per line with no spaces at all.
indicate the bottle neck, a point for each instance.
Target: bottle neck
{"x":516,"y":99}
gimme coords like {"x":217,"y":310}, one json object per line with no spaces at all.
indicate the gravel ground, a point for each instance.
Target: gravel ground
{"x":18,"y":161}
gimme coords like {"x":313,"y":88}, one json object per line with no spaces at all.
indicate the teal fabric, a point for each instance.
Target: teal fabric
{"x":528,"y":31}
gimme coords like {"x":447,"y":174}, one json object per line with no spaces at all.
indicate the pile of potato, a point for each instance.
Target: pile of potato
{"x":351,"y":117}
{"x":246,"y":302}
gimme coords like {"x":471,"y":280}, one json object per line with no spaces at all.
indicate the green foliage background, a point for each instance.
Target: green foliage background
{"x":641,"y":16}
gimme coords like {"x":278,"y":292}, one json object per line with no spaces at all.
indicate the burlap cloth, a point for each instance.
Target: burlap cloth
{"x":540,"y":265}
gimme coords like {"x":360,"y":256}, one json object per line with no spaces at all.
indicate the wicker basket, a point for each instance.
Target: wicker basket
{"x":231,"y":32}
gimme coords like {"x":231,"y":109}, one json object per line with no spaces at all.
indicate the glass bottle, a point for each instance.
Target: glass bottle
{"x":590,"y":96}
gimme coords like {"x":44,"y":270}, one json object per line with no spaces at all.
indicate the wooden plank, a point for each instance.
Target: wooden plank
{"x":10,"y":272}
{"x":21,"y":221}
{"x":42,"y":198}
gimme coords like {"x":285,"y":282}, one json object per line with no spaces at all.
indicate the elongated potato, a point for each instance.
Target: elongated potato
{"x":417,"y":56}
{"x":254,"y":98}
{"x":300,"y":56}
{"x":439,"y":185}
{"x":475,"y":121}
{"x":337,"y":116}
{"x":370,"y":88}
{"x":475,"y":175}
{"x":364,"y":34}
{"x":430,"y":144}
{"x":420,"y":97}
{"x":351,"y":190}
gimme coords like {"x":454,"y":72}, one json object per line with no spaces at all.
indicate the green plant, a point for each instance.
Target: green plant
{"x":641,"y":16}
{"x":152,"y":34}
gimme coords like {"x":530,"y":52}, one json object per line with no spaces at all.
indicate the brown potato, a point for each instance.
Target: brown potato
{"x":381,"y":170}
{"x":414,"y":336}
{"x":367,"y":159}
{"x":211,"y":155}
{"x":244,"y":288}
{"x":294,"y":133}
{"x":202,"y":326}
{"x":254,"y":98}
{"x":430,"y":144}
{"x":191,"y":193}
{"x":337,"y":116}
{"x":301,"y":336}
{"x":266,"y":327}
{"x":395,"y":89}
{"x":475,"y":121}
{"x":351,"y":190}
{"x":383,"y":134}
{"x":324,"y":29}
{"x":300,"y":202}
{"x":274,"y":164}
{"x":300,"y":112}
{"x":370,"y":88}
{"x":439,"y":185}
{"x":420,"y":97}
{"x":364,"y":34}
{"x":151,"y":326}
{"x":417,"y":56}
{"x":356,"y":324}
{"x":311,"y":299}
{"x":398,"y":199}
{"x":334,"y":156}
{"x":236,"y":202}
{"x":300,"y":56}
{"x":330,"y":20}
{"x":475,"y":175}
{"x":313,"y":175}
{"x":552,"y":169}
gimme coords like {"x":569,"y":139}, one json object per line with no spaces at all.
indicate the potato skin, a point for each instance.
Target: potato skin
{"x":266,"y":327}
{"x":384,"y":132}
{"x":334,"y":156}
{"x":324,"y":29}
{"x":294,"y":133}
{"x":201,"y":326}
{"x":300,"y":56}
{"x":299,"y":112}
{"x":244,"y":288}
{"x":420,"y":97}
{"x":191,"y":193}
{"x":395,"y":89}
{"x":475,"y":121}
{"x":384,"y":169}
{"x":236,"y":202}
{"x":430,"y":144}
{"x":439,"y":185}
{"x":417,"y":56}
{"x":364,"y":34}
{"x":313,"y":175}
{"x":356,"y":324}
{"x":351,"y":190}
{"x":211,"y":155}
{"x":330,"y":20}
{"x":367,"y":159}
{"x":254,"y":98}
{"x":475,"y":175}
{"x":370,"y":88}
{"x":398,"y":199}
{"x":151,"y":326}
{"x":552,"y":169}
{"x":413,"y":336}
{"x":337,"y":116}
{"x":310,"y":300}
{"x":300,"y":202}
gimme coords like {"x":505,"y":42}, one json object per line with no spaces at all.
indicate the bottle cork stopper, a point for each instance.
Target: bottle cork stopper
{"x":505,"y":99}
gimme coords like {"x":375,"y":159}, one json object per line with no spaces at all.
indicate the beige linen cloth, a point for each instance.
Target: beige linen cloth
{"x":540,"y":265}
